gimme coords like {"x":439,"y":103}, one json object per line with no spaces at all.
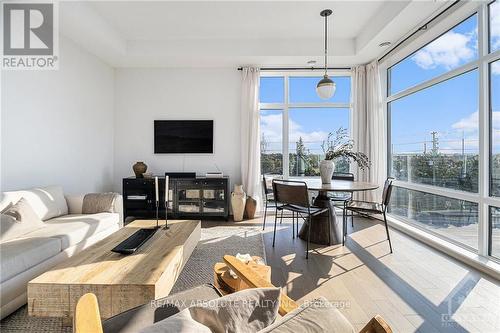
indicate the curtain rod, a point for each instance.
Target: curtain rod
{"x":423,"y":27}
{"x":299,"y":68}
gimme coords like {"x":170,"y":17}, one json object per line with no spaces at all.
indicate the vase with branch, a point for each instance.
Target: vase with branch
{"x":339,"y":145}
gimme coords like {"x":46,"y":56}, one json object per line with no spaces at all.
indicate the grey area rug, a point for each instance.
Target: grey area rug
{"x":215,"y":242}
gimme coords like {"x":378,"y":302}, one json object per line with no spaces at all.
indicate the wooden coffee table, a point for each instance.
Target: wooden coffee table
{"x":120,"y":282}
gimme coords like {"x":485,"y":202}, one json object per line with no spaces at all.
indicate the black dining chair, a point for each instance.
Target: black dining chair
{"x":340,"y":199}
{"x":370,"y":208}
{"x":293,"y":196}
{"x":269,"y":201}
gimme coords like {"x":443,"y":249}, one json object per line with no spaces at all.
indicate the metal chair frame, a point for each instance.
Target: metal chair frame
{"x":298,"y":207}
{"x":386,"y":197}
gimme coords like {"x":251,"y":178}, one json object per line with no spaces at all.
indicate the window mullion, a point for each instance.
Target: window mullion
{"x":483,"y":131}
{"x":286,"y":156}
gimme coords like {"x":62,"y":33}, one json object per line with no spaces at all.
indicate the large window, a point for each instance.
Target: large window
{"x":453,"y":49}
{"x":434,"y":135}
{"x":295,"y":122}
{"x":440,"y":100}
{"x":271,"y":141}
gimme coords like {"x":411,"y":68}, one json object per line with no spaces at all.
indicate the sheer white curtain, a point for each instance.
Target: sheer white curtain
{"x":369,"y":126}
{"x":250,"y":137}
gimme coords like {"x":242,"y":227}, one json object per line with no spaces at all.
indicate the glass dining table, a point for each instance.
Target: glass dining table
{"x":326,"y":229}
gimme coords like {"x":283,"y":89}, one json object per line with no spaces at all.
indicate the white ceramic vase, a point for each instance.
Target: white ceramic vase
{"x":238,"y":202}
{"x":326,"y":168}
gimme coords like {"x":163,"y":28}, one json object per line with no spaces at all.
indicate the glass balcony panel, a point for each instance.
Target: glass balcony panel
{"x":495,"y":232}
{"x":449,"y":218}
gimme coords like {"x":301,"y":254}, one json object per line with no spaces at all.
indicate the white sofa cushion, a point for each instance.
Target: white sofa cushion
{"x":47,"y":202}
{"x":73,"y":229}
{"x":21,"y":254}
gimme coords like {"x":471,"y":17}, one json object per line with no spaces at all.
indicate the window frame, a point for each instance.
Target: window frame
{"x":286,"y":105}
{"x":490,"y":233}
{"x":483,"y":198}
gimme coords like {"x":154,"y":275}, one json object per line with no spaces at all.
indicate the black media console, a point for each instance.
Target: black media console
{"x":189,"y":198}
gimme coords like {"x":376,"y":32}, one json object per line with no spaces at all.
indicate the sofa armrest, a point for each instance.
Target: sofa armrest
{"x":75,"y":204}
{"x":118,"y":208}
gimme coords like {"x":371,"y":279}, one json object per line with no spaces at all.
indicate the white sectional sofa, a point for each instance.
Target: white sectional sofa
{"x":65,"y":231}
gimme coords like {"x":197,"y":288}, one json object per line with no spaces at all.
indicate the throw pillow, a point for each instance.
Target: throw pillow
{"x":19,"y":219}
{"x":318,"y":315}
{"x":246,"y":311}
{"x":94,"y":203}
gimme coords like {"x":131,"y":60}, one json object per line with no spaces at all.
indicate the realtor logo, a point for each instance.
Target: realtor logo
{"x":29,"y":35}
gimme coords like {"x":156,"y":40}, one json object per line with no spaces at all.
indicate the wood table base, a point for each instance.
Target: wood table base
{"x":326,"y":229}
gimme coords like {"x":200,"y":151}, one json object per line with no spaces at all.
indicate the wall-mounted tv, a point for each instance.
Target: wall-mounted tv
{"x":184,"y":136}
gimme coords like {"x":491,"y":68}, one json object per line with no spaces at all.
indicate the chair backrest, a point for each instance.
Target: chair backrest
{"x":291,"y":192}
{"x":264,"y":185}
{"x":267,"y":183}
{"x":343,"y":176}
{"x":386,"y":194}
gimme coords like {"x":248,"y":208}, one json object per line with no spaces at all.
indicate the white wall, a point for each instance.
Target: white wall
{"x":143,"y":95}
{"x":57,"y":126}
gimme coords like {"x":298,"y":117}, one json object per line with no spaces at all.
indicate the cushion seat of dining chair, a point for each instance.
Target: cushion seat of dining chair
{"x":365,"y":206}
{"x":303,"y":210}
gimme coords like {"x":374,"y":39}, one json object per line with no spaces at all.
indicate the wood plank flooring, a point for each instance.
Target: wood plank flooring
{"x":416,"y":289}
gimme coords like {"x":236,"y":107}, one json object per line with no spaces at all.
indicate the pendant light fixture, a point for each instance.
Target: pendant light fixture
{"x":326,"y":87}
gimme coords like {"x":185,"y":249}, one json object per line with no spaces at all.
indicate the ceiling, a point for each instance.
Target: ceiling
{"x":235,"y":33}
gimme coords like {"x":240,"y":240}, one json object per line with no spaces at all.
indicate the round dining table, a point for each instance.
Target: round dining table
{"x":326,"y":229}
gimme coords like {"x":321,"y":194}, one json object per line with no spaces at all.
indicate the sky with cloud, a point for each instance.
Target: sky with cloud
{"x":449,"y":108}
{"x":311,"y":124}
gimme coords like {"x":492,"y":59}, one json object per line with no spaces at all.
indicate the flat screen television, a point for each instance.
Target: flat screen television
{"x":184,"y":136}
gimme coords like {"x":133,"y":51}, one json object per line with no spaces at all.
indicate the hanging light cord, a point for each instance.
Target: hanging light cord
{"x":326,"y":43}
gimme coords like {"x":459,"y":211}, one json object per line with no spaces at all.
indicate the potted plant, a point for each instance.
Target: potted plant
{"x":339,"y":144}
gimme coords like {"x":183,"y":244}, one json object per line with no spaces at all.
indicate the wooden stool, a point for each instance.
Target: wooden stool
{"x":227,"y":284}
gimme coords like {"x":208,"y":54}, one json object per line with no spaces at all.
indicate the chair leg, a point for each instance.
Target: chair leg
{"x":387,"y":231}
{"x":329,"y":228}
{"x":308,"y":236}
{"x":297,"y":229}
{"x":344,"y":224}
{"x":293,"y":225}
{"x":275,"y":221}
{"x":265,"y":215}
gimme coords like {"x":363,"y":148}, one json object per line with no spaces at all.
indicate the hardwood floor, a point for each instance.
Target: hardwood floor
{"x":416,"y":289}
